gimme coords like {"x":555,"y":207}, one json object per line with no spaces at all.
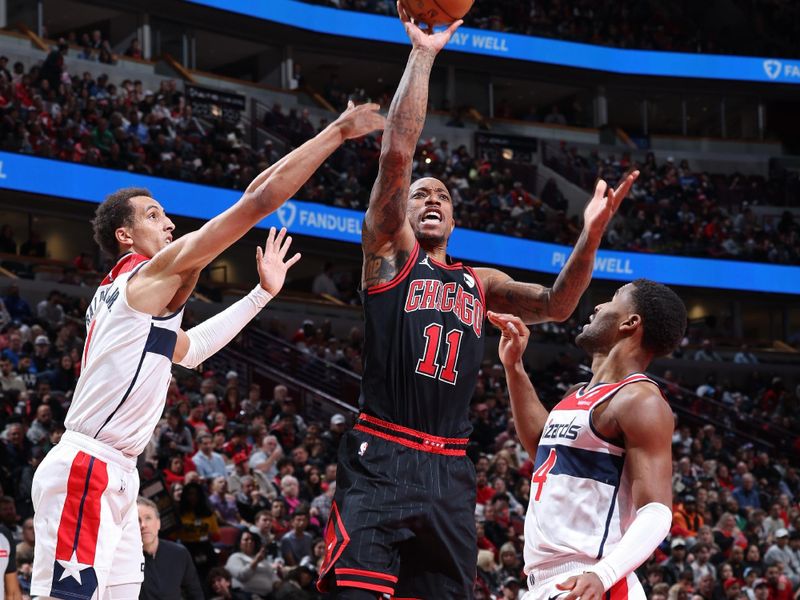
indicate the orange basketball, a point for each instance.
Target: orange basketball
{"x":437,"y":12}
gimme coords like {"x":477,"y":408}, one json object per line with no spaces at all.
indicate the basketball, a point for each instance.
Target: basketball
{"x":437,"y":12}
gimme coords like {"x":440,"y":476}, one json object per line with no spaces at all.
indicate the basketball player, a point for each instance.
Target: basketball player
{"x":601,"y":492}
{"x":84,"y":492}
{"x":402,"y":523}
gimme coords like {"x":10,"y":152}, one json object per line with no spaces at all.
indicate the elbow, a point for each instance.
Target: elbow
{"x":394,"y":153}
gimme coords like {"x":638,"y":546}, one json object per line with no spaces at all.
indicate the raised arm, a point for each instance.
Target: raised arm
{"x":529,"y":413}
{"x":535,"y":303}
{"x":387,"y":238}
{"x":155,"y":286}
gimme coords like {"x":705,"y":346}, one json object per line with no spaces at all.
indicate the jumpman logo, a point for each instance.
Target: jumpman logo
{"x":426,"y":263}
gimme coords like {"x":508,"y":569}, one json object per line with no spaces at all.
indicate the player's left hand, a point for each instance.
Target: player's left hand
{"x":604,"y":204}
{"x":270,"y":261}
{"x":586,"y":587}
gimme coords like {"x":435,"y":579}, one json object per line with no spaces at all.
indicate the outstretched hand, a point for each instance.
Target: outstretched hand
{"x":605,"y":202}
{"x":357,"y":121}
{"x":514,"y":338}
{"x":427,"y":38}
{"x":270,"y":261}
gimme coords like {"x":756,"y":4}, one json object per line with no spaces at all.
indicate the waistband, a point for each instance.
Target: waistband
{"x":99,"y":450}
{"x":411,"y":438}
{"x":540,"y":576}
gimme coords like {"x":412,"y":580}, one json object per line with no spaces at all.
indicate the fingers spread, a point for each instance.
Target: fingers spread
{"x":271,"y":236}
{"x":285,"y":248}
{"x":293,"y":260}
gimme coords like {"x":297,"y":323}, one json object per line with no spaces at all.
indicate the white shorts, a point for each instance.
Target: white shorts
{"x":86,"y":520}
{"x":542,"y":584}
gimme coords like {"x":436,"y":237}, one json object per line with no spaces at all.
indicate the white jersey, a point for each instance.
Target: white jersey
{"x":127,"y":366}
{"x":580,"y":500}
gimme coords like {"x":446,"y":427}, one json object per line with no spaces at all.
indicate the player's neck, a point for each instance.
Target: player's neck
{"x":616,"y":364}
{"x":437,"y":252}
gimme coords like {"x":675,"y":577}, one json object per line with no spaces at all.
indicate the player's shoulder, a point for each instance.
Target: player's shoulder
{"x":640,"y":406}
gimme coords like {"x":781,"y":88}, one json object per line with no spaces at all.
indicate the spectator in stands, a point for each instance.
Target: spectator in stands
{"x":676,"y":564}
{"x":209,"y":464}
{"x":251,"y":569}
{"x":9,"y":379}
{"x":17,"y":307}
{"x":223,"y":502}
{"x":297,"y":543}
{"x":42,"y":426}
{"x":265,"y":460}
{"x":746,"y":495}
{"x":780,"y":588}
{"x":324,"y":283}
{"x":779,"y":552}
{"x":50,"y":309}
{"x":198,"y":526}
{"x":744,"y":356}
{"x":42,"y":358}
{"x":701,"y":565}
{"x":175,"y":437}
{"x":707,"y":352}
{"x":134,"y":49}
{"x":168,"y":568}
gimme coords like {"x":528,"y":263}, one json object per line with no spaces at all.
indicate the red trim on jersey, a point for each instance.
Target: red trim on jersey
{"x":88,"y":341}
{"x":479,"y":283}
{"x":365,"y":586}
{"x":412,"y":258}
{"x":410,"y":444}
{"x":333,"y":547}
{"x":363,"y":573}
{"x":452,"y":267}
{"x":601,"y":392}
{"x":409,"y":431}
{"x":619,"y":591}
{"x":80,"y":517}
{"x":125,"y":264}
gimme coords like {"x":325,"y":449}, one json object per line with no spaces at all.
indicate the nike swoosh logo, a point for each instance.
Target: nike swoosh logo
{"x":556,"y":596}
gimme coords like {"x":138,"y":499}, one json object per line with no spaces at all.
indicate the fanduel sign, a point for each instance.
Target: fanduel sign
{"x":68,"y":180}
{"x":322,"y":19}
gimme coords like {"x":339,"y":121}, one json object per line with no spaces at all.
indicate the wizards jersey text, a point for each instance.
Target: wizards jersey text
{"x":424,"y":346}
{"x":126,"y":369}
{"x":580,"y":502}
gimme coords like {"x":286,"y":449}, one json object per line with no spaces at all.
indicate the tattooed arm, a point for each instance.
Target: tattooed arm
{"x":386,"y":237}
{"x":535,"y":303}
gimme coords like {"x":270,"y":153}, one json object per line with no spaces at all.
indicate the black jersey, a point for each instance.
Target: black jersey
{"x":423,"y":346}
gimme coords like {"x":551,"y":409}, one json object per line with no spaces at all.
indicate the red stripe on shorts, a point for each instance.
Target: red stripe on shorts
{"x":619,"y":591}
{"x":80,"y":517}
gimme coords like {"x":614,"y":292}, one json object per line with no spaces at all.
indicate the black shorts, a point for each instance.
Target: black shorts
{"x":402,"y":521}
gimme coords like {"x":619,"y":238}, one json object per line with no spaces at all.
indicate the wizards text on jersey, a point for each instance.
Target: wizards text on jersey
{"x":432,"y":294}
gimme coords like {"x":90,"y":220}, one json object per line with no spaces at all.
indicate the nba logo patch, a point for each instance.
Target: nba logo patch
{"x":363,"y":448}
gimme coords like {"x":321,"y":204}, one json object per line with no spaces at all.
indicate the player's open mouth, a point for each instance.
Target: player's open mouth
{"x":432,"y":216}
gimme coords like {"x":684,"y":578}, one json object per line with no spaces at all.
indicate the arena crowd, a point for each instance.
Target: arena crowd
{"x":251,"y":476}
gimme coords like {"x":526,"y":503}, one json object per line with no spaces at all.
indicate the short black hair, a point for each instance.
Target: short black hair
{"x":115,"y":212}
{"x":663,"y":316}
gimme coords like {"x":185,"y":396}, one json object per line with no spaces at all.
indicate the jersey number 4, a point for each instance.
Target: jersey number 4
{"x":428,"y":366}
{"x":540,"y":475}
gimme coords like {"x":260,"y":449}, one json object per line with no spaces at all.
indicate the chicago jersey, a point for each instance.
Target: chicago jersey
{"x":424,"y":346}
{"x":126,"y":368}
{"x":580,"y":501}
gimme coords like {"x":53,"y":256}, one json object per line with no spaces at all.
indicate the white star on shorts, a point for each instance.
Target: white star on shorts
{"x":72,"y":568}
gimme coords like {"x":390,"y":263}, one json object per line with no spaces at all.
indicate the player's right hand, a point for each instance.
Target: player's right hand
{"x":360,"y":120}
{"x":514,"y":339}
{"x":427,"y":39}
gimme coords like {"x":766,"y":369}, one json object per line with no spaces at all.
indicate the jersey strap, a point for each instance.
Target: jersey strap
{"x":126,"y":264}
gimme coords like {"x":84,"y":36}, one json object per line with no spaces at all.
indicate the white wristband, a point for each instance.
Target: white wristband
{"x":646,"y":532}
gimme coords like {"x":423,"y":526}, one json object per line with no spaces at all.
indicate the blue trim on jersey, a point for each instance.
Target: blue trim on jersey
{"x":82,"y":504}
{"x":608,"y":522}
{"x":172,"y":316}
{"x":161,"y":341}
{"x":586,"y":464}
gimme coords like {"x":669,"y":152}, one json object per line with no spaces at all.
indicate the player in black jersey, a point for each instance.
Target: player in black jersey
{"x":402,"y":521}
